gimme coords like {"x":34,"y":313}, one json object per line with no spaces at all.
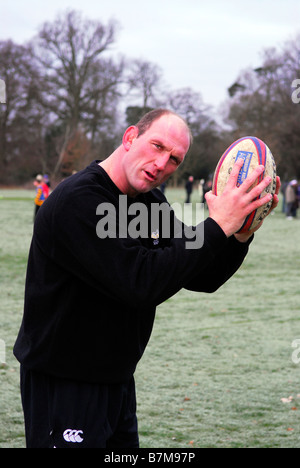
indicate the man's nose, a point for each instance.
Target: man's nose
{"x":161,"y":162}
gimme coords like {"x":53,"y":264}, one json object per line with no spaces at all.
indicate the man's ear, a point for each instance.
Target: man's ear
{"x":129,"y":136}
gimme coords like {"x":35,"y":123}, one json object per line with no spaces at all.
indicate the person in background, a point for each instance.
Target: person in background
{"x":291,"y":200}
{"x":163,"y":187}
{"x":189,"y":189}
{"x":47,"y":181}
{"x":283,"y":190}
{"x":42,"y":193}
{"x":46,"y":186}
{"x":201,"y":190}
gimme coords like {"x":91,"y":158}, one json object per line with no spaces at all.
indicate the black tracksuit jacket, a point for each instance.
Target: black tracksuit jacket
{"x":90,"y":302}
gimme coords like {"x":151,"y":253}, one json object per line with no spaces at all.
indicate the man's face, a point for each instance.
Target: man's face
{"x":151,"y":158}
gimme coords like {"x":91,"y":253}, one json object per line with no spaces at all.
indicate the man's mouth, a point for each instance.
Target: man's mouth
{"x":150,"y":176}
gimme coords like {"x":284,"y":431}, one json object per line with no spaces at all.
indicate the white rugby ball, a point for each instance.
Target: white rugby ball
{"x":254,"y":152}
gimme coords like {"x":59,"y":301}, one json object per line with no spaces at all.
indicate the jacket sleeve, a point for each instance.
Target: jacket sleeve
{"x":222,"y":268}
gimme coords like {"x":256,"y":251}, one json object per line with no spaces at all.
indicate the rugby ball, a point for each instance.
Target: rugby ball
{"x":254,"y":152}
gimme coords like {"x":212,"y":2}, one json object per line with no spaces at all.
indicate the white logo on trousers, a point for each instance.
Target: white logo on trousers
{"x":73,"y":436}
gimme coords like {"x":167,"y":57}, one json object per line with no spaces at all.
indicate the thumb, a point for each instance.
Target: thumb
{"x":209,"y":196}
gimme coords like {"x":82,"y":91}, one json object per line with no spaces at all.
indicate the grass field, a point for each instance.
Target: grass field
{"x":217,"y":366}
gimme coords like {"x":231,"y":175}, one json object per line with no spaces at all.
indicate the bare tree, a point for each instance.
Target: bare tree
{"x":143,"y":79}
{"x":79,"y":81}
{"x":202,"y":156}
{"x":262,"y":105}
{"x":21,"y":118}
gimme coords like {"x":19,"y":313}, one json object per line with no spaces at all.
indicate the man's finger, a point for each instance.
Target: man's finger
{"x":232,"y":181}
{"x":252,"y":178}
{"x":256,"y":191}
{"x":257,"y":203}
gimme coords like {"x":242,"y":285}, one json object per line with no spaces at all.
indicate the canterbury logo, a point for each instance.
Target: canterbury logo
{"x":73,"y":436}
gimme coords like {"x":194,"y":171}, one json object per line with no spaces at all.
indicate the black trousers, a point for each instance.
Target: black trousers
{"x":67,"y":414}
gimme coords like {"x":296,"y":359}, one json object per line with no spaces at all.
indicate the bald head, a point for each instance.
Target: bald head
{"x":148,"y":119}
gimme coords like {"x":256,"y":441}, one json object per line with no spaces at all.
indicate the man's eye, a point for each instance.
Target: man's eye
{"x":157,"y":146}
{"x":175,"y":160}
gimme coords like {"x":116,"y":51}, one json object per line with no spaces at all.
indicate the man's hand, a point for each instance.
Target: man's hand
{"x":231,"y":208}
{"x":245,"y":236}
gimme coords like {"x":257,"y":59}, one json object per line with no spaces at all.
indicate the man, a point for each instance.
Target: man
{"x":79,"y":352}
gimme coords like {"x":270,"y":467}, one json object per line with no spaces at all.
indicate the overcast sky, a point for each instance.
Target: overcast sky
{"x":201,"y":44}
